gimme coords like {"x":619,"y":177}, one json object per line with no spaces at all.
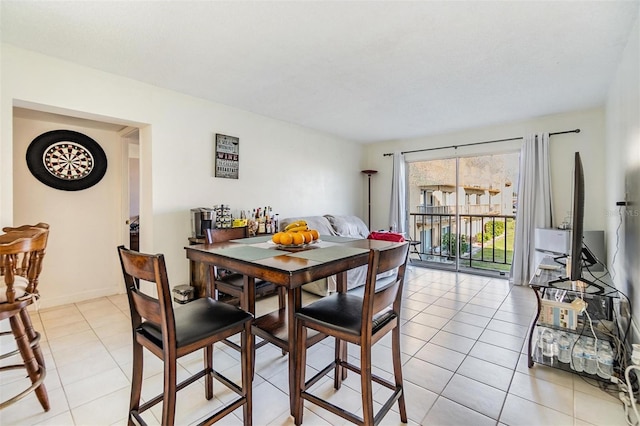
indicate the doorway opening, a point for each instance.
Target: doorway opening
{"x":462,"y":212}
{"x":131,"y":149}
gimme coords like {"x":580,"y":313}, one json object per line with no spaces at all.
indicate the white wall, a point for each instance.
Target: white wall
{"x":623,"y":173}
{"x":85,"y":225}
{"x":590,"y":143}
{"x":295,"y":170}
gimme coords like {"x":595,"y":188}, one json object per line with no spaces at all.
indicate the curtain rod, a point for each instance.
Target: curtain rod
{"x":479,"y":143}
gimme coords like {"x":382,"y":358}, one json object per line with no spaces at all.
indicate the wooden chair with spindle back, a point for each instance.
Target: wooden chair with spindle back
{"x":32,"y":288}
{"x":21,"y":254}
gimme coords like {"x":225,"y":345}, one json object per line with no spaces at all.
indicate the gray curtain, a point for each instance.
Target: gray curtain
{"x":534,"y":208}
{"x":397,"y":211}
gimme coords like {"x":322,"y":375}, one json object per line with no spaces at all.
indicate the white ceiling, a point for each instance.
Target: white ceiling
{"x":365,"y":71}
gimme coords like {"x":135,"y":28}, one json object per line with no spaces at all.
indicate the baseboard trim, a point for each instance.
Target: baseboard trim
{"x":74,"y":297}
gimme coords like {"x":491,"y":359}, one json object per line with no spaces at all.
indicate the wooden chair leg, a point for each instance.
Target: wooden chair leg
{"x":32,"y":335}
{"x":208,"y":365}
{"x":366,"y":384}
{"x":300,"y":369}
{"x":136,"y":380}
{"x":344,"y":356}
{"x":169,"y":389}
{"x":248,"y":303}
{"x":337,"y":375}
{"x":397,"y":371}
{"x":282,"y":303}
{"x":247,"y":363}
{"x":34,"y":371}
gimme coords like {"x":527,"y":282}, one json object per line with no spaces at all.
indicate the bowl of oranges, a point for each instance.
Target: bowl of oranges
{"x":296,"y":235}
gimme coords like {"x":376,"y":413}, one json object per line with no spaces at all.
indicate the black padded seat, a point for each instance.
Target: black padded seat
{"x":341,"y":312}
{"x":204,"y":317}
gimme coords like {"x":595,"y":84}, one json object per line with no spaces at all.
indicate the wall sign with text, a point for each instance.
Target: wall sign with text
{"x":227,"y":156}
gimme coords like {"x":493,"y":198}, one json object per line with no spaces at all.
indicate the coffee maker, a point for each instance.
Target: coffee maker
{"x":202,"y":218}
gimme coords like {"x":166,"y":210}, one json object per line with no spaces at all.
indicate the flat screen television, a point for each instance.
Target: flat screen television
{"x":580,"y":255}
{"x":577,"y":219}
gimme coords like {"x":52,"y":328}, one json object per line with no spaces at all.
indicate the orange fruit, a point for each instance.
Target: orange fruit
{"x":308,"y":237}
{"x":276,"y":237}
{"x":298,"y":238}
{"x":315,"y":234}
{"x":286,"y":239}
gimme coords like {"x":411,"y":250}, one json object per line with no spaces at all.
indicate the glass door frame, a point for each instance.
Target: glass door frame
{"x":456,"y":265}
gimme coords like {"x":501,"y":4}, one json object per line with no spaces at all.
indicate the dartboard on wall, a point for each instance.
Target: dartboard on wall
{"x":66,"y":160}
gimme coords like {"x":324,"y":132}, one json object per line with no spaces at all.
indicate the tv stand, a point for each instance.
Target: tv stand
{"x":554,"y":295}
{"x":587,"y":286}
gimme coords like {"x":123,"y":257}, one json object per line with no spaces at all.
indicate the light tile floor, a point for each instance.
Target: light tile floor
{"x":464,"y":355}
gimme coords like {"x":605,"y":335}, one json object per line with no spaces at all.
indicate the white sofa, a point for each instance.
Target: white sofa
{"x":344,"y":226}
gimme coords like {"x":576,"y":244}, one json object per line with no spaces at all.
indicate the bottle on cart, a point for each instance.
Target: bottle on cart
{"x":605,"y":360}
{"x":540,"y":330}
{"x":590,"y":357}
{"x":564,"y":348}
{"x":577,"y":356}
{"x":547,"y":343}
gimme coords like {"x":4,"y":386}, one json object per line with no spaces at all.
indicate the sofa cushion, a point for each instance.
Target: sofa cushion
{"x":319,"y":223}
{"x":348,"y":226}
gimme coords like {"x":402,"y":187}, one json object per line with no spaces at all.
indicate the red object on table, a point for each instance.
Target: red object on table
{"x":386,"y":236}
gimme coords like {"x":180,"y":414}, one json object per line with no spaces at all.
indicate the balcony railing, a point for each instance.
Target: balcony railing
{"x":468,"y":209}
{"x":485,"y":242}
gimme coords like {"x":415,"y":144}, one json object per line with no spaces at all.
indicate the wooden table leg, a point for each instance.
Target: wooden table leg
{"x":294,"y":302}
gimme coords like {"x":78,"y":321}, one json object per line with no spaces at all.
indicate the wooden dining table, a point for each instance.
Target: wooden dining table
{"x":259,"y":258}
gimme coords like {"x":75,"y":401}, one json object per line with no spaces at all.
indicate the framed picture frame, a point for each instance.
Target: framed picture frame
{"x":227,"y":156}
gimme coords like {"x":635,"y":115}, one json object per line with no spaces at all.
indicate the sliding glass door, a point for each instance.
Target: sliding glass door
{"x":462,"y":211}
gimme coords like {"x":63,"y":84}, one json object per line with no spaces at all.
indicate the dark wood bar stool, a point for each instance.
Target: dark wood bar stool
{"x":363,"y":321}
{"x":172,"y":333}
{"x":21,"y":254}
{"x":238,"y":286}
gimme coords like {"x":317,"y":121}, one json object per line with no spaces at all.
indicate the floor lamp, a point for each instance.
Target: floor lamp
{"x":369,"y":173}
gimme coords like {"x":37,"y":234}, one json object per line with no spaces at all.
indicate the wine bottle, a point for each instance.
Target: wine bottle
{"x":267,"y":221}
{"x":260,"y":220}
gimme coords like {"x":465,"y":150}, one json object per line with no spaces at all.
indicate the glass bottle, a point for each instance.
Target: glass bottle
{"x":267,"y":222}
{"x":260,"y":219}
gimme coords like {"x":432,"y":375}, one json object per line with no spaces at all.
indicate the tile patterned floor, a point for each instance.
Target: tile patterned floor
{"x":463,"y":353}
